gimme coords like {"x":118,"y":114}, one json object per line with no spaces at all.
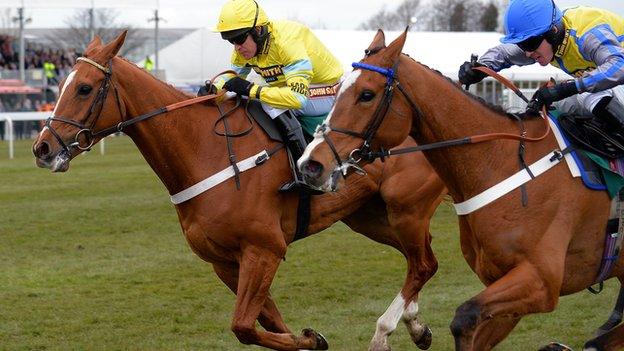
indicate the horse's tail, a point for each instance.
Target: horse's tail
{"x":616,"y":315}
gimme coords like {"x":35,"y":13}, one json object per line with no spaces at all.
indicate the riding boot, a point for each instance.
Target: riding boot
{"x":610,"y":111}
{"x":293,"y":137}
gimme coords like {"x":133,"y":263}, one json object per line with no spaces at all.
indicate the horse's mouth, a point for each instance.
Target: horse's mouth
{"x":58,"y":163}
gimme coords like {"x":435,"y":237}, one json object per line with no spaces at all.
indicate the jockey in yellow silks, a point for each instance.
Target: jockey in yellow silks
{"x":299,"y":71}
{"x":587,"y":43}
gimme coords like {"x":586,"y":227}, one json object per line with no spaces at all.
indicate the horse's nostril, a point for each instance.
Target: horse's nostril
{"x":42,"y":150}
{"x":312,"y":168}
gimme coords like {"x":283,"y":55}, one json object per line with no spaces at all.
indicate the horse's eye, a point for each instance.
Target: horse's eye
{"x":366,"y":96}
{"x":84,"y":89}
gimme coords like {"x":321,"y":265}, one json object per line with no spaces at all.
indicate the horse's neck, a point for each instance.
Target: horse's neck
{"x":449,"y":113}
{"x":180,"y":146}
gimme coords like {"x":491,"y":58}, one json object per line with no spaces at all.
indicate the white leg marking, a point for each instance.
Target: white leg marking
{"x":387,"y":323}
{"x":411,"y":311}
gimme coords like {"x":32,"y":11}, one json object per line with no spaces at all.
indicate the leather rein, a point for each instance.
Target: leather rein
{"x":85,"y":129}
{"x":365,"y":153}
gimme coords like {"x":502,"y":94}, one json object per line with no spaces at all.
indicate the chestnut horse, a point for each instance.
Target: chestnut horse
{"x":242,"y":233}
{"x":527,"y":256}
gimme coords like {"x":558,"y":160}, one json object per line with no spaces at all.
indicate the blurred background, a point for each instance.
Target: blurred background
{"x":40,"y":40}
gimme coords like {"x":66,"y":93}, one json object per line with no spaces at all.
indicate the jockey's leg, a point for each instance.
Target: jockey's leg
{"x":292,"y":134}
{"x":582,"y":104}
{"x":611,"y":110}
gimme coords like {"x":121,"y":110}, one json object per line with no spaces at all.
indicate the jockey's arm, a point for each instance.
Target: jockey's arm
{"x":242,"y":72}
{"x":601,"y":46}
{"x":504,"y":56}
{"x":293,"y":96}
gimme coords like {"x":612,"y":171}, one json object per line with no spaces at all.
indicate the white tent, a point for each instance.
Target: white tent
{"x":203,"y":54}
{"x":195,"y":58}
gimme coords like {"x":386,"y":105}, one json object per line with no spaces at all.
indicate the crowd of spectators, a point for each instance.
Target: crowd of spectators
{"x":35,"y":55}
{"x":22,"y":103}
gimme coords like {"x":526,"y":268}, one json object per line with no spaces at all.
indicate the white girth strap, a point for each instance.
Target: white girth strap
{"x":509,"y":184}
{"x":218,"y":178}
{"x":521,"y":177}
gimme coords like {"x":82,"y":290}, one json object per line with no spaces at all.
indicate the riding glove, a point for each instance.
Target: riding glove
{"x":545,"y":96}
{"x":467,"y":75}
{"x":238,"y":85}
{"x":207,"y":89}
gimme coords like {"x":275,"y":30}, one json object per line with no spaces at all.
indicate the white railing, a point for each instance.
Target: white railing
{"x":513,"y":102}
{"x":10,"y":117}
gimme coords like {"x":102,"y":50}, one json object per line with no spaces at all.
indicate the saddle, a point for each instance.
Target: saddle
{"x":592,"y":134}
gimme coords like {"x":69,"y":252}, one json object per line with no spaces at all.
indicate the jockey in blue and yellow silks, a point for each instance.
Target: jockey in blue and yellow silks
{"x":299,"y":71}
{"x":587,"y":43}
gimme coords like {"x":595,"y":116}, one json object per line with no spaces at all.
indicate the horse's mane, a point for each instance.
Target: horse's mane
{"x":492,"y":107}
{"x":178,"y":93}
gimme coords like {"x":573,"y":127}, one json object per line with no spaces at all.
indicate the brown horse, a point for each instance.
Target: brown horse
{"x":527,"y":256}
{"x":243,"y":233}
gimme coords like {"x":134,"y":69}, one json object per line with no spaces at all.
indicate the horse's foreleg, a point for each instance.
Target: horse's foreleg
{"x":521,"y":291}
{"x":616,"y":315}
{"x":256,"y":272}
{"x":270,"y":318}
{"x":494,"y":330}
{"x":610,"y":341}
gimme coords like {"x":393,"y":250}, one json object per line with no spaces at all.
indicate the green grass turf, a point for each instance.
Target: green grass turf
{"x":94,"y":259}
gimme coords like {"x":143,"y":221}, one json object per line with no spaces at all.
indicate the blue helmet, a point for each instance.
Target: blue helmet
{"x":529,"y":18}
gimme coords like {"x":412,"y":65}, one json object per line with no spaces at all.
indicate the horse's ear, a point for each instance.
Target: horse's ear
{"x":396,"y":47}
{"x":94,"y":44}
{"x":111,"y":49}
{"x":379,"y":42}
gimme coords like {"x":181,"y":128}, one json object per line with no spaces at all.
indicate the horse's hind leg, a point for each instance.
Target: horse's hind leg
{"x":270,"y":318}
{"x":366,"y":221}
{"x":409,"y":216}
{"x":256,"y":272}
{"x":612,"y":340}
{"x":407,"y":231}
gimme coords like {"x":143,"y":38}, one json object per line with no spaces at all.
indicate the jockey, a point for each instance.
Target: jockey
{"x":299,"y":71}
{"x":584,"y":42}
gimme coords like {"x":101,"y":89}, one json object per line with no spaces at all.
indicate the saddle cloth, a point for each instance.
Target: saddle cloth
{"x":579,"y":163}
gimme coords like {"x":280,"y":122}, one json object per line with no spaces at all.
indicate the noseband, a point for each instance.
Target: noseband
{"x":95,"y":108}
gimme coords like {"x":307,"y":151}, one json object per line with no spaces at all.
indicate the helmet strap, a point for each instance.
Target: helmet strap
{"x":260,"y":36}
{"x":555,"y":35}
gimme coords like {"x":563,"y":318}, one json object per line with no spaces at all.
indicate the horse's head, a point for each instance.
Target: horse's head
{"x":368,"y":112}
{"x":88,"y":104}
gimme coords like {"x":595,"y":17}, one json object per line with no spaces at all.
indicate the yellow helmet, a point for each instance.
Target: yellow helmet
{"x":239,"y":16}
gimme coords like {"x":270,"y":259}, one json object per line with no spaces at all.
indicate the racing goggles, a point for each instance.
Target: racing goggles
{"x":531,"y":44}
{"x":239,"y":39}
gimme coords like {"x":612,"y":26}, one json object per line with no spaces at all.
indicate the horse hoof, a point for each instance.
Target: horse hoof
{"x":321,"y":343}
{"x":555,"y":346}
{"x":424,"y":343}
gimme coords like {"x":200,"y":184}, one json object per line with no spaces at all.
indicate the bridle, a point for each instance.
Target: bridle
{"x":98,"y":104}
{"x":96,"y":107}
{"x":364,"y":152}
